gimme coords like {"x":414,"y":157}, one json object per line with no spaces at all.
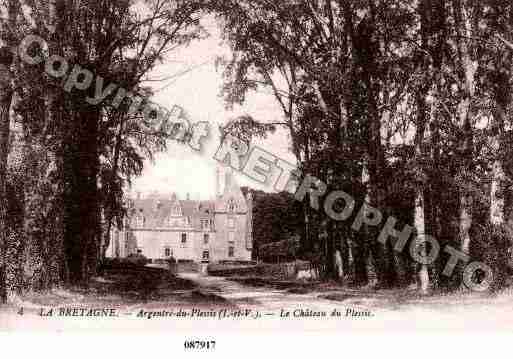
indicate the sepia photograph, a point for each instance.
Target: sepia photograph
{"x":272,"y":167}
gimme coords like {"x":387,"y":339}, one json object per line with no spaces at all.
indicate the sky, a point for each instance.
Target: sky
{"x":181,"y":169}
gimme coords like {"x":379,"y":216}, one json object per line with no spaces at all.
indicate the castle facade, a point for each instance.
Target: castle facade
{"x":161,"y":227}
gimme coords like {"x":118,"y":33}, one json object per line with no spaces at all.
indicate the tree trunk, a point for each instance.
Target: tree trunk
{"x":497,"y":191}
{"x":364,"y":248}
{"x":82,"y":233}
{"x":383,"y":256}
{"x":6,"y":94}
{"x":331,"y":272}
{"x":464,"y":30}
{"x":420,"y":210}
{"x":109,"y":217}
{"x":420,"y":226}
{"x":360,"y":259}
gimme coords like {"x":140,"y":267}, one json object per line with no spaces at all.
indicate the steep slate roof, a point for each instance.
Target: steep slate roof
{"x":157,"y":211}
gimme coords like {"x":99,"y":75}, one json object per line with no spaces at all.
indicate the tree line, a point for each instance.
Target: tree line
{"x":406,"y":105}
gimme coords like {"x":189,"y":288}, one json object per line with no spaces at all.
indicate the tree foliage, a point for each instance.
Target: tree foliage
{"x":404,"y":105}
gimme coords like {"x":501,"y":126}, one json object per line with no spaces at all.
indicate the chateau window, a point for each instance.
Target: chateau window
{"x":204,"y":224}
{"x":188,"y":220}
{"x":184,"y":238}
{"x":139,"y":220}
{"x":177,"y":210}
{"x":231,"y":251}
{"x":231,"y":222}
{"x":206,"y":255}
{"x":231,"y":237}
{"x":206,"y":237}
{"x":231,"y":205}
{"x":167,"y":252}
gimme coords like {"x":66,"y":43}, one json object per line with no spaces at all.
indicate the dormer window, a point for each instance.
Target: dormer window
{"x":176,"y":210}
{"x":231,"y":205}
{"x":205,"y":224}
{"x":176,"y":222}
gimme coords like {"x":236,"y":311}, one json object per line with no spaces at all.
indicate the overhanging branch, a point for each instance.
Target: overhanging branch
{"x":508,"y":44}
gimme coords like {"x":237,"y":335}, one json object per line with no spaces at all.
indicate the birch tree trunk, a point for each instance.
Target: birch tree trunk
{"x":496,"y":192}
{"x":420,"y":225}
{"x":422,"y":120}
{"x":419,"y":212}
{"x":464,"y":32}
{"x":359,"y":248}
{"x":423,"y":102}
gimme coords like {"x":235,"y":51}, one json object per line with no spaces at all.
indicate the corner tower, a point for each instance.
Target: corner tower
{"x":231,"y":219}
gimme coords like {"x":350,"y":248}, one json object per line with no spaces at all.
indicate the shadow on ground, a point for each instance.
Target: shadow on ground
{"x":122,"y":286}
{"x":396,"y":299}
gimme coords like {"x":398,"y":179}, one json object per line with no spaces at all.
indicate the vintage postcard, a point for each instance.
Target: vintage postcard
{"x":254,"y":166}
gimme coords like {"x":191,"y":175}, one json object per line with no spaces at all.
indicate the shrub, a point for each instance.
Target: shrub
{"x":137,"y":259}
{"x":491,"y":245}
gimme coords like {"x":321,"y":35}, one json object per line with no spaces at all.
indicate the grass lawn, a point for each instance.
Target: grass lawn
{"x":119,"y":288}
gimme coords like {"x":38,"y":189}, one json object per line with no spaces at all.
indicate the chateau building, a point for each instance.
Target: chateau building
{"x":161,"y":227}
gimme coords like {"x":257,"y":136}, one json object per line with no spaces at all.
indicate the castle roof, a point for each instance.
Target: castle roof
{"x":160,"y":211}
{"x":157,"y":211}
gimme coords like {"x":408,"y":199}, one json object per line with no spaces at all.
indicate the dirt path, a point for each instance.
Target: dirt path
{"x":261,"y":297}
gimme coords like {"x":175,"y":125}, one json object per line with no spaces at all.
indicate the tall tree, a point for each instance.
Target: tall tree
{"x":466,"y":16}
{"x":5,"y":105}
{"x":7,"y":33}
